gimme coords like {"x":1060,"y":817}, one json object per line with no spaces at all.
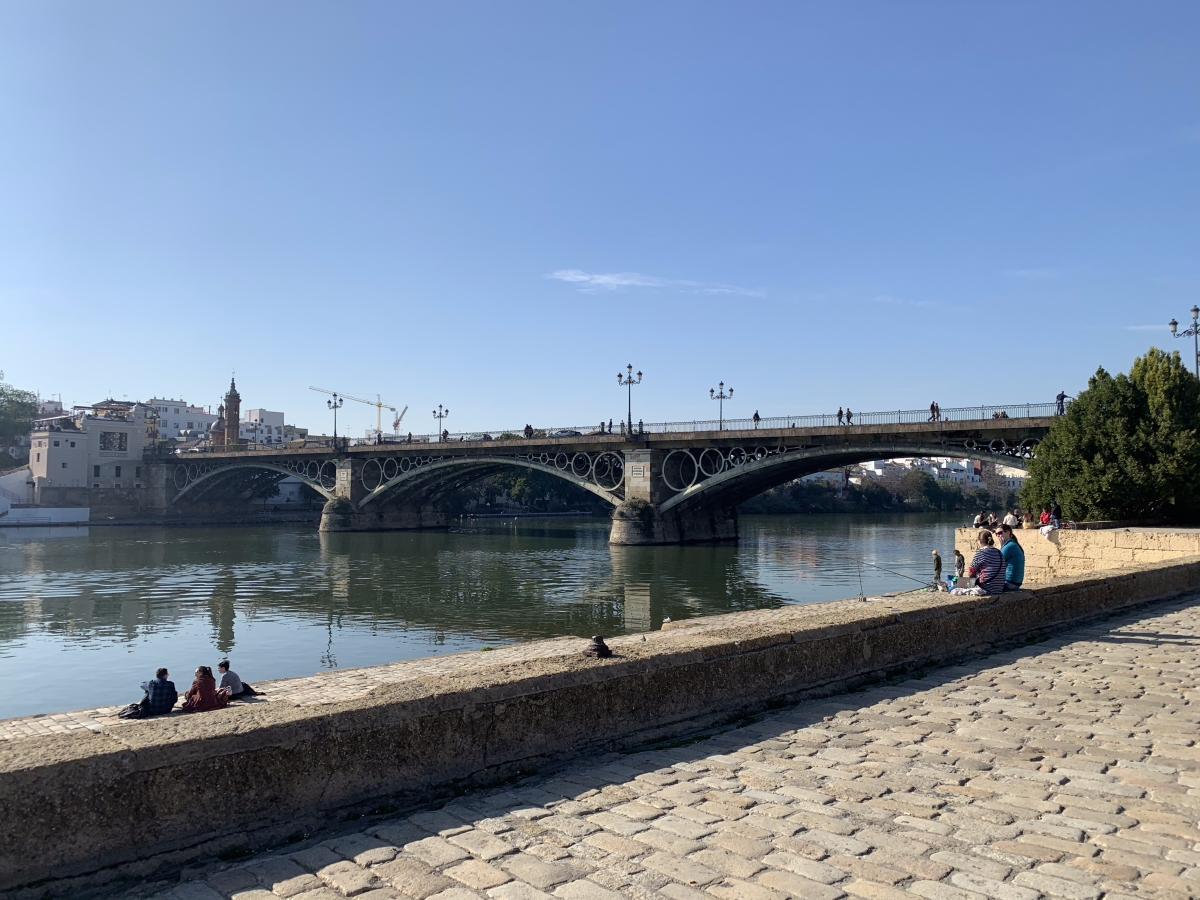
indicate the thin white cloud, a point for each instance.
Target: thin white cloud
{"x":1032,"y":273}
{"x":591,"y":282}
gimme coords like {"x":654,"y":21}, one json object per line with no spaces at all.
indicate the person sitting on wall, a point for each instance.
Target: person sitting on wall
{"x":980,"y":520}
{"x":1014,"y":558}
{"x":160,"y":695}
{"x":202,"y":695}
{"x":987,"y":568}
{"x":232,"y":686}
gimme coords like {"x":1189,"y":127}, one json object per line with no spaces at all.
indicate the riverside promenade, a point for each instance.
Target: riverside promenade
{"x":1067,"y":769}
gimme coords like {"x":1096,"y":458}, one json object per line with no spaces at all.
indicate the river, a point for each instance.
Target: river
{"x":86,"y":614}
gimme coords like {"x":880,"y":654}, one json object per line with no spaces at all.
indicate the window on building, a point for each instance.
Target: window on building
{"x":64,"y":465}
{"x":96,"y":473}
{"x":117,"y":474}
{"x":39,"y":458}
{"x":56,"y":443}
{"x":95,"y":485}
{"x":137,"y":485}
{"x":137,"y":471}
{"x":72,"y":443}
{"x":118,"y":484}
{"x":191,"y":425}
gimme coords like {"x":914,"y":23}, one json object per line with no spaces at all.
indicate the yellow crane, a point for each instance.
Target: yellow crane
{"x":378,"y":403}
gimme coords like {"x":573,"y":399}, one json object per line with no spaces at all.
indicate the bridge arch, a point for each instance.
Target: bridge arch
{"x":603,"y":475}
{"x":195,"y":477}
{"x":736,"y":484}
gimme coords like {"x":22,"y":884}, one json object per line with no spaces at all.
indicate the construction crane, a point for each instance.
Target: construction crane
{"x":379,"y":405}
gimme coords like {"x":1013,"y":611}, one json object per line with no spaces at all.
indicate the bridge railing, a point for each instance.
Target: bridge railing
{"x":822,"y":420}
{"x":956,"y":415}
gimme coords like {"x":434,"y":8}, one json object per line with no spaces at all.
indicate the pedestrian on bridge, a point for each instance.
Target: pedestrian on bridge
{"x":840,"y":415}
{"x":756,"y":418}
{"x":1060,"y":403}
{"x":935,"y":412}
{"x":849,"y":416}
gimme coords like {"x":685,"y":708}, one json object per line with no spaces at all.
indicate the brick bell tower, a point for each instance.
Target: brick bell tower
{"x":233,"y":416}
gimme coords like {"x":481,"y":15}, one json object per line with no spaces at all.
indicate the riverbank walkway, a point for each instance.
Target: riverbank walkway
{"x":1068,"y":769}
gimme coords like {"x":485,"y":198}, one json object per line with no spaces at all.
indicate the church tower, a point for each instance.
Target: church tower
{"x":216,"y":434}
{"x":233,"y":416}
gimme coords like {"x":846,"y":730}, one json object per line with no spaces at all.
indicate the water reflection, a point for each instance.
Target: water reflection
{"x":86,"y":614}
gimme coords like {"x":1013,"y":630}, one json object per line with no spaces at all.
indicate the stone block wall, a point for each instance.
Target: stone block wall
{"x":1069,"y":553}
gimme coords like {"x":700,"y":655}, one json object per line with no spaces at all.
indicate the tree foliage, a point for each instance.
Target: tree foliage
{"x":1127,"y":448}
{"x":17,"y":409}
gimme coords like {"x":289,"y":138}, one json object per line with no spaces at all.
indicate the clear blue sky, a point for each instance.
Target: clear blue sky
{"x":496,"y":206}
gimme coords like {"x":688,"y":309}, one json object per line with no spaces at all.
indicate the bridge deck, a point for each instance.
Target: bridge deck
{"x":813,"y":435}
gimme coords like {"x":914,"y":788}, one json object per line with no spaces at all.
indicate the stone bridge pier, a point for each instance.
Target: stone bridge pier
{"x":642,"y":518}
{"x":396,"y":512}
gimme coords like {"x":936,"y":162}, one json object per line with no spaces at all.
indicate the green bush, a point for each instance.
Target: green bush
{"x":1127,"y":448}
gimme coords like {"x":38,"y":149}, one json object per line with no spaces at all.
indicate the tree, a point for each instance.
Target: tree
{"x":17,"y":409}
{"x":1128,"y":447}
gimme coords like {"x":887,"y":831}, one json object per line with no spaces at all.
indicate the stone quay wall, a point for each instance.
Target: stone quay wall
{"x":190,"y":786}
{"x":1072,"y":553}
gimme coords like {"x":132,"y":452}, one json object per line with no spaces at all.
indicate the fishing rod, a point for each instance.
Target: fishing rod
{"x":910,"y":577}
{"x":890,"y":571}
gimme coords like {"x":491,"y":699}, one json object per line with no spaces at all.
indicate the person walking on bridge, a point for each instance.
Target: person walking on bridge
{"x":756,"y":419}
{"x":840,"y":415}
{"x":1060,"y":403}
{"x":849,"y":416}
{"x":933,"y":411}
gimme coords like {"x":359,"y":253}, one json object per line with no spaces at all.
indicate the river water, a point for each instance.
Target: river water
{"x":86,"y":614}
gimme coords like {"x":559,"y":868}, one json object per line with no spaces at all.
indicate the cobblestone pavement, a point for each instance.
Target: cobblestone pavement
{"x":1065,"y":770}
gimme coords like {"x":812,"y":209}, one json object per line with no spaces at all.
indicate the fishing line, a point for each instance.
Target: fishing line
{"x":900,"y":574}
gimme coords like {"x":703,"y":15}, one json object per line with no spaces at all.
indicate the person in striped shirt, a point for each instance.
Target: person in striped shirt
{"x":987,"y":568}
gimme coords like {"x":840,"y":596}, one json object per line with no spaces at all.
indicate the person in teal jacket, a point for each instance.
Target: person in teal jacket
{"x":1014,"y":558}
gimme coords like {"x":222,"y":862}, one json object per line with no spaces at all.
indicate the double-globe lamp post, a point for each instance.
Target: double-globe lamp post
{"x":1193,"y":333}
{"x":440,"y":414}
{"x":721,"y":395}
{"x":627,"y":381}
{"x":335,"y":404}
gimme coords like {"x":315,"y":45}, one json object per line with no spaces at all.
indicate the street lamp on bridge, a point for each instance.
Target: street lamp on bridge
{"x":628,"y":382}
{"x":721,"y":395}
{"x":440,"y":414}
{"x":335,"y":403}
{"x":1193,"y":333}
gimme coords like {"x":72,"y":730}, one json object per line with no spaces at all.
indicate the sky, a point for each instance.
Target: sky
{"x":497,"y":206}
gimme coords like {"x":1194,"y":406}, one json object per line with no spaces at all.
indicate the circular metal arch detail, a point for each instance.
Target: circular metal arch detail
{"x":686,"y":457}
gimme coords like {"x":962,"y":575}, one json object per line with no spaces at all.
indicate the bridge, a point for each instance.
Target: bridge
{"x":668,"y":483}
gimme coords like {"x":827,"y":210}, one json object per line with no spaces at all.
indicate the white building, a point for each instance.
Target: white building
{"x":101,"y":447}
{"x":179,"y":420}
{"x":835,"y":477}
{"x":1013,"y":479}
{"x":261,"y":426}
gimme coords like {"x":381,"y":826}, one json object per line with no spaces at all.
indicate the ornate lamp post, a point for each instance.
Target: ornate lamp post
{"x":627,"y":382}
{"x":440,"y":414}
{"x":335,"y":403}
{"x":721,"y":395}
{"x":1193,"y":333}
